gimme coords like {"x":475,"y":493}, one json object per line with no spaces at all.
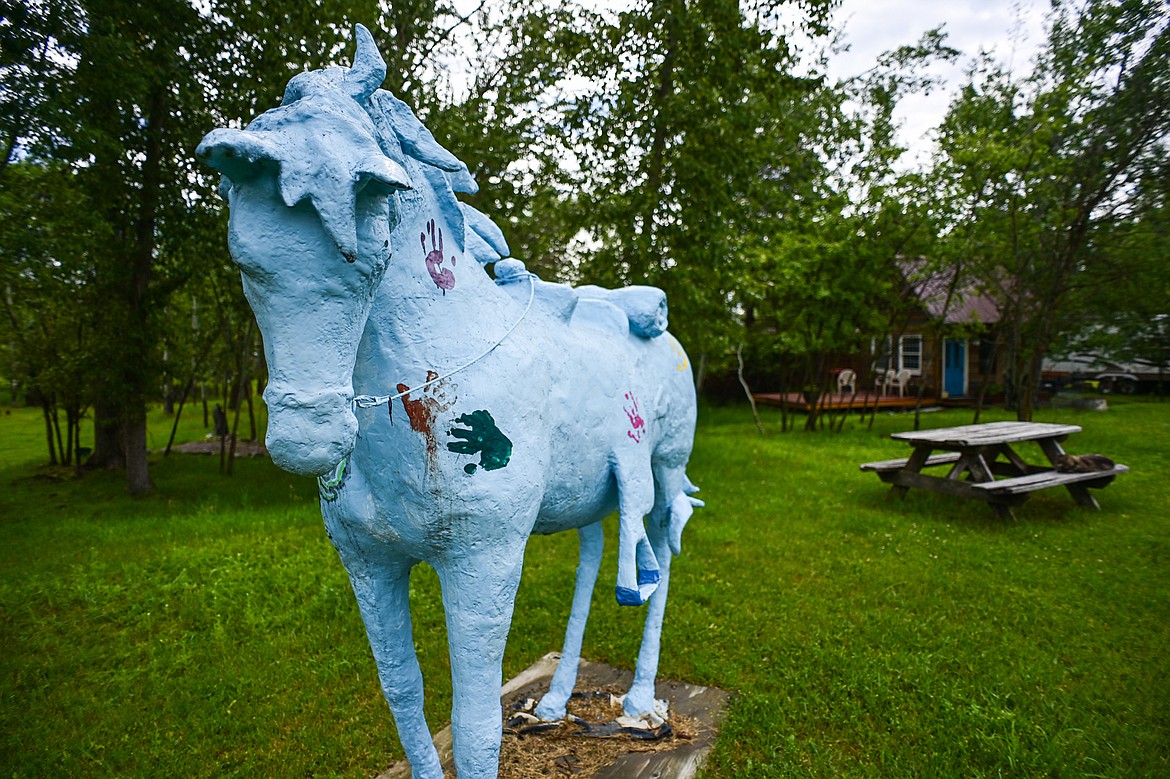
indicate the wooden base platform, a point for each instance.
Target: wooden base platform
{"x":703,"y":705}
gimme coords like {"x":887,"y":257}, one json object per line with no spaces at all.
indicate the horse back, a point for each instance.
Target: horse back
{"x":614,"y":402}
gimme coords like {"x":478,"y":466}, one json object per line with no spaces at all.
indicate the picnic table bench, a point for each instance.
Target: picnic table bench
{"x":983,"y":465}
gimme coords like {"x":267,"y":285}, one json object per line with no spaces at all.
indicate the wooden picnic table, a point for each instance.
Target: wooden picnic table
{"x":983,"y":464}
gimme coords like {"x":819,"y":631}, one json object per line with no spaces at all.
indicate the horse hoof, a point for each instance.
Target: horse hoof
{"x":628,"y":596}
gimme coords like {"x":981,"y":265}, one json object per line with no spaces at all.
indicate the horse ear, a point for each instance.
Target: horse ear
{"x":417,"y":141}
{"x":382,"y":171}
{"x":369,"y":69}
{"x":236,"y":154}
{"x":488,"y":231}
{"x":462,"y":181}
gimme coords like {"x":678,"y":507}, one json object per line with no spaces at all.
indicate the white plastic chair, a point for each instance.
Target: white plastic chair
{"x":900,"y":380}
{"x":846,"y":378}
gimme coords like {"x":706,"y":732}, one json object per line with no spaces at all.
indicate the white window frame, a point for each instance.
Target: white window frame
{"x":903,"y":363}
{"x":896,"y":360}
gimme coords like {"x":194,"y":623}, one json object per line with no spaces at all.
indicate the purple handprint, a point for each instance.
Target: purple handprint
{"x":443,"y":277}
{"x":637,"y":424}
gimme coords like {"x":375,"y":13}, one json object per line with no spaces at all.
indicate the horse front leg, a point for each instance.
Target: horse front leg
{"x":383,"y":599}
{"x":665,"y":535}
{"x":640,"y":698}
{"x":479,"y":591}
{"x":552,"y":705}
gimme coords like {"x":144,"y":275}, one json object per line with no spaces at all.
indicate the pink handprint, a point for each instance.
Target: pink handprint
{"x":637,"y":424}
{"x":443,"y":277}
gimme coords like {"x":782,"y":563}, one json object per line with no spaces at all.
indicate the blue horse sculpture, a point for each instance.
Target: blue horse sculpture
{"x":448,"y":416}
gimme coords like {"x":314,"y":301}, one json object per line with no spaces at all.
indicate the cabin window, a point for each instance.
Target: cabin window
{"x":910,"y":354}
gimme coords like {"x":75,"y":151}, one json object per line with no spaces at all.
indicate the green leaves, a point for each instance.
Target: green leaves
{"x":1041,"y":171}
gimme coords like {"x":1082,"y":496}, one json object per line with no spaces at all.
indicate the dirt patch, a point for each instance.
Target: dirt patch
{"x":243,"y":448}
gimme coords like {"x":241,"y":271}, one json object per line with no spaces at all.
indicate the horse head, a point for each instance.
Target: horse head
{"x":309,"y":185}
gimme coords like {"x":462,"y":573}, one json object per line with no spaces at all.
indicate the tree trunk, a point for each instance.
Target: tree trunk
{"x":1029,"y":387}
{"x":231,"y":461}
{"x":254,"y":433}
{"x":178,"y":416}
{"x":134,"y":445}
{"x":107,"y":439}
{"x":56,"y":417}
{"x":784,"y":382}
{"x":186,"y":393}
{"x":986,"y":371}
{"x":75,"y":436}
{"x":918,"y":405}
{"x":747,"y":390}
{"x":49,"y":431}
{"x":134,"y":414}
{"x":70,"y":445}
{"x":120,"y":415}
{"x":812,"y":379}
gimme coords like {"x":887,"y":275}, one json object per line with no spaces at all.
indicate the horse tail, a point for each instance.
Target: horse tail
{"x":681,"y":508}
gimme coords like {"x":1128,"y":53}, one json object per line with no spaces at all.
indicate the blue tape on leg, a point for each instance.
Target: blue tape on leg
{"x":648,"y":576}
{"x":628,"y":597}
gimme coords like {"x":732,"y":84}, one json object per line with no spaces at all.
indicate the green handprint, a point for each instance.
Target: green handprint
{"x":482,"y":436}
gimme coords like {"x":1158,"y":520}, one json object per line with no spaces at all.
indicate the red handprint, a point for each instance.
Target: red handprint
{"x":443,"y":277}
{"x":637,"y":424}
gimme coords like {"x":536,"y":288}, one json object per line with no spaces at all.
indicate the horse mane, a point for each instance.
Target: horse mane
{"x":391,"y":125}
{"x":640,"y":310}
{"x":401,"y":135}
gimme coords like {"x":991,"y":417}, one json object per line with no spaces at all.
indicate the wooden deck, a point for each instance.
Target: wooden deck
{"x":794,"y":401}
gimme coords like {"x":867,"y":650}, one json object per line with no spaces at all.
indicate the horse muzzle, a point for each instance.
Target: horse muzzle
{"x":309,"y":435}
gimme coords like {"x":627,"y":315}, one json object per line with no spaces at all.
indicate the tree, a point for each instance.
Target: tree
{"x":838,"y":216}
{"x":31,"y":72}
{"x":666,"y":149}
{"x":506,"y":125}
{"x":1039,"y":171}
{"x":1127,"y":319}
{"x":45,"y":233}
{"x":119,"y":94}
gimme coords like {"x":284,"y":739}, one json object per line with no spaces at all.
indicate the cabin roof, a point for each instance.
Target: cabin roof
{"x":945,"y":300}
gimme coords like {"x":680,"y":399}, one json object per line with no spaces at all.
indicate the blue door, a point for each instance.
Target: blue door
{"x":955,"y":367}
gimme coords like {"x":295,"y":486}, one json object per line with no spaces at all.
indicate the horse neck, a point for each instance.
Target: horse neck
{"x":417,"y":324}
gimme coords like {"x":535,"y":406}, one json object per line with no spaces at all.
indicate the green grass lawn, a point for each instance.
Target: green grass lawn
{"x":209,"y":630}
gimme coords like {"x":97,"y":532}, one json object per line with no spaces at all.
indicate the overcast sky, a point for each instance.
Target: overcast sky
{"x":1012,"y":29}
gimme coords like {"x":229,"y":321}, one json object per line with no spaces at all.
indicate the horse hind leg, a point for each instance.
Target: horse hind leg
{"x":552,"y":705}
{"x":638,"y":568}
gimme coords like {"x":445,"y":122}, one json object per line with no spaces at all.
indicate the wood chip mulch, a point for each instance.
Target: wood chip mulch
{"x":567,"y":752}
